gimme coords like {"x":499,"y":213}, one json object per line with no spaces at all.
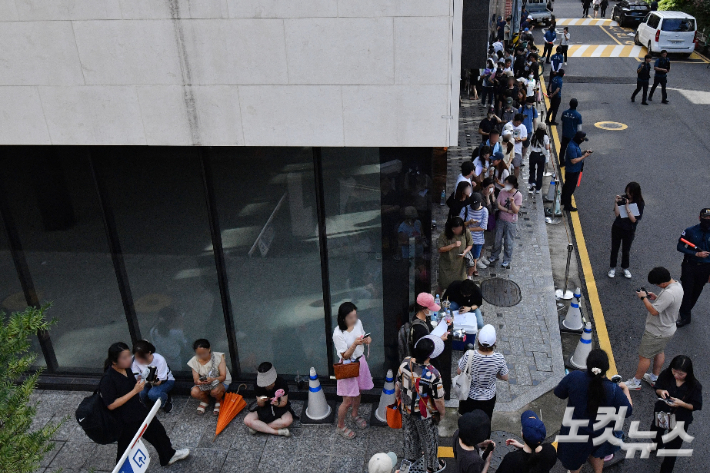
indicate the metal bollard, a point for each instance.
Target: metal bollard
{"x":564,"y":293}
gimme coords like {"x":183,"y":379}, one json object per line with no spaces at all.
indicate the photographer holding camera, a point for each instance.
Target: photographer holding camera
{"x":624,"y":228}
{"x":574,"y":163}
{"x":660,"y":325}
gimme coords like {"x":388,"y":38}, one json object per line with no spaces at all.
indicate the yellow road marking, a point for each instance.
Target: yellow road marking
{"x":611,"y":36}
{"x":445,"y":452}
{"x":594,"y":302}
{"x":586,"y":22}
{"x":611,"y":126}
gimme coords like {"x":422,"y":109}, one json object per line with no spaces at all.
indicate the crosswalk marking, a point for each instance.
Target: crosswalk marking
{"x":606,"y":50}
{"x":577,"y":50}
{"x":598,"y":52}
{"x":616,"y":51}
{"x":586,"y":22}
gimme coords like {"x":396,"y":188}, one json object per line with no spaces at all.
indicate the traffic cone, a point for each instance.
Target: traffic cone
{"x":573,"y":319}
{"x":379,"y":416}
{"x":317,"y":410}
{"x":579,"y":359}
{"x":550,"y":197}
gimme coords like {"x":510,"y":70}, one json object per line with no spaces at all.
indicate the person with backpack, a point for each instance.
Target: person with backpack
{"x":421,"y":391}
{"x":420,"y":326}
{"x":120,"y":393}
{"x":144,"y":357}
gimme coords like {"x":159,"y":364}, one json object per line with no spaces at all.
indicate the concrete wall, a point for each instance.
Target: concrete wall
{"x":227,"y":72}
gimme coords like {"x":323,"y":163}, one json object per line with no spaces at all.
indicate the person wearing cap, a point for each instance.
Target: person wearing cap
{"x":453,"y":244}
{"x":550,"y":38}
{"x":382,"y":463}
{"x":475,"y":216}
{"x":421,"y":391}
{"x":487,"y":366}
{"x":273,"y":413}
{"x":587,"y":391}
{"x":555,"y":97}
{"x":695,"y":270}
{"x":571,"y":124}
{"x":349,"y":339}
{"x":470,"y":439}
{"x":574,"y":163}
{"x":465,"y":296}
{"x":509,"y":111}
{"x":411,"y":227}
{"x":489,"y":123}
{"x":564,"y":42}
{"x":662,"y":67}
{"x":531,"y":456}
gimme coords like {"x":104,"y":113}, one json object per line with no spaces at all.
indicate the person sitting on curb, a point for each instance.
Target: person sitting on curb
{"x":273,"y":413}
{"x":532,"y":455}
{"x":159,"y":387}
{"x":210,"y":374}
{"x":472,"y":434}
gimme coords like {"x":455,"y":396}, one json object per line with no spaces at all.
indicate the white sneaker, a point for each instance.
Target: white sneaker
{"x":485,"y":260}
{"x":179,"y":455}
{"x":481,"y":265}
{"x":505,"y":264}
{"x":647,"y":377}
{"x":633,"y":385}
{"x":531,"y":189}
{"x":537,"y":191}
{"x":627,"y":274}
{"x":611,"y":273}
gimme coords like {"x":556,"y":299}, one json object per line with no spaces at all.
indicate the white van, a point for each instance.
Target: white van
{"x":670,"y":30}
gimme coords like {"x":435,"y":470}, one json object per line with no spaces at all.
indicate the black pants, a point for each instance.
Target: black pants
{"x":554,"y":106}
{"x":563,"y":149}
{"x":693,"y":277}
{"x":676,"y":443}
{"x":568,"y":188}
{"x":471,"y":405}
{"x":585,"y":10}
{"x":155,"y":434}
{"x":603,"y":9}
{"x":659,"y":80}
{"x":641,"y":84}
{"x":537,"y":168}
{"x":563,"y":49}
{"x":620,"y":238}
{"x":548,"y":51}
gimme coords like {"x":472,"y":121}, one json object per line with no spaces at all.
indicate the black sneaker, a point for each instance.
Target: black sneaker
{"x":665,"y":101}
{"x":644,"y":103}
{"x":168,"y":404}
{"x":632,"y":99}
{"x":650,"y":99}
{"x":682,"y":322}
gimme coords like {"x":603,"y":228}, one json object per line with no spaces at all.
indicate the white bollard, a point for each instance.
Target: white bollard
{"x":317,"y":408}
{"x":579,"y":359}
{"x":573,"y":319}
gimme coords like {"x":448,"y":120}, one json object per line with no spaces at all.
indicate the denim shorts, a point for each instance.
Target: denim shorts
{"x":476,"y":250}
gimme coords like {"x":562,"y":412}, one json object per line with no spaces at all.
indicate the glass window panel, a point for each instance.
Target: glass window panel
{"x":267,"y":210}
{"x":56,"y":210}
{"x":158,"y":199}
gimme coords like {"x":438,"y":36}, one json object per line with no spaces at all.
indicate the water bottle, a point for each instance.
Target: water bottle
{"x":437,"y":301}
{"x":443,"y":197}
{"x":448,"y":315}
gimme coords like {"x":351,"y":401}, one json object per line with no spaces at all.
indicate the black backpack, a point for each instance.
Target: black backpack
{"x":99,"y":424}
{"x":404,"y":338}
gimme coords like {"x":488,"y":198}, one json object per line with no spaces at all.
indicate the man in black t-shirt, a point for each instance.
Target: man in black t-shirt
{"x":465,"y":296}
{"x":487,"y":124}
{"x":534,"y":434}
{"x":273,"y":413}
{"x":472,"y":434}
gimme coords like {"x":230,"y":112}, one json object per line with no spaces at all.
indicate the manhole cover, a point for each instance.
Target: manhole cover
{"x":501,"y":292}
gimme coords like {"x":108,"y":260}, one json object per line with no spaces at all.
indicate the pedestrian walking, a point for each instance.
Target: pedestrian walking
{"x":623,"y":229}
{"x":453,"y":244}
{"x":120,"y":393}
{"x":660,"y":325}
{"x":210,"y":375}
{"x":550,"y":38}
{"x":571,"y":124}
{"x":160,"y":383}
{"x":695,"y":270}
{"x":564,"y":42}
{"x":470,"y":439}
{"x":587,"y":391}
{"x":683,"y":394}
{"x":574,"y":163}
{"x":555,"y":97}
{"x":509,"y":201}
{"x":421,"y":391}
{"x":487,"y":366}
{"x":597,"y":4}
{"x":662,"y":67}
{"x":273,"y":413}
{"x":531,"y":456}
{"x":643,"y":75}
{"x":585,"y":8}
{"x":539,"y":145}
{"x":604,"y":5}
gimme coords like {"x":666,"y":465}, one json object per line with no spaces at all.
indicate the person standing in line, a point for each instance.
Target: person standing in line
{"x":475,"y":216}
{"x":571,"y":124}
{"x":144,"y":356}
{"x":555,"y":97}
{"x":540,"y":143}
{"x":520,"y":136}
{"x":488,"y":83}
{"x":532,"y":456}
{"x":597,"y":4}
{"x":557,"y":60}
{"x":509,"y":202}
{"x":530,"y":121}
{"x":550,"y":38}
{"x":574,"y":163}
{"x":662,"y":67}
{"x":489,"y":202}
{"x":643,"y":74}
{"x":120,"y":393}
{"x":453,"y":245}
{"x":684,"y":394}
{"x":350,"y":339}
{"x":623,"y":230}
{"x":472,"y":436}
{"x":604,"y":5}
{"x":585,"y":8}
{"x":564,"y":42}
{"x":660,"y":325}
{"x":695,"y":270}
{"x":467,"y":169}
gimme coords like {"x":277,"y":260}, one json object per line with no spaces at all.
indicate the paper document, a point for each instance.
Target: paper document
{"x":634,"y":211}
{"x":440,"y":329}
{"x":467,"y":322}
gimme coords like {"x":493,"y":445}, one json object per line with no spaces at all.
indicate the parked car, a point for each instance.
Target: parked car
{"x":539,"y":11}
{"x":670,"y":30}
{"x":630,"y":12}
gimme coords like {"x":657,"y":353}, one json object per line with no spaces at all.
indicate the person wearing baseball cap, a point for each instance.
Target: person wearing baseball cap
{"x":574,"y":163}
{"x":531,"y":455}
{"x":382,"y":463}
{"x":694,"y":243}
{"x":490,"y":366}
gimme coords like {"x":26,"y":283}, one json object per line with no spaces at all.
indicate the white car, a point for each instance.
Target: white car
{"x":670,"y":30}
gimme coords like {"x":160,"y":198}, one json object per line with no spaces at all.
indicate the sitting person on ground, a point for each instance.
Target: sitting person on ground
{"x":465,"y":296}
{"x":159,"y":387}
{"x":531,"y":456}
{"x":472,"y":435}
{"x":210,"y":375}
{"x":382,"y":463}
{"x":273,"y":413}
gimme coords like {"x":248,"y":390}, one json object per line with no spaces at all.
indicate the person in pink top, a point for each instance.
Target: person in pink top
{"x":508,"y":202}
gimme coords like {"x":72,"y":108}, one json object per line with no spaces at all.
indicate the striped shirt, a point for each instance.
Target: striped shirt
{"x":480,"y":216}
{"x":483,"y":373}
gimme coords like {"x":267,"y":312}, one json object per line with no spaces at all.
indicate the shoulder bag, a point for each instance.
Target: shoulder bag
{"x":346,"y":370}
{"x":461,"y":384}
{"x":666,"y":420}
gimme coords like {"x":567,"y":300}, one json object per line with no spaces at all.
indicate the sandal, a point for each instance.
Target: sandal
{"x":215,"y":411}
{"x":345,"y":433}
{"x":359,"y":422}
{"x":201,"y":408}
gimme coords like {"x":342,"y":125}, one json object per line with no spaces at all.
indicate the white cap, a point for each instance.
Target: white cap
{"x":487,"y":335}
{"x":438,"y":345}
{"x":382,"y":463}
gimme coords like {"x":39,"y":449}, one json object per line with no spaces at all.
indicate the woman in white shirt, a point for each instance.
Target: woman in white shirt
{"x":349,"y":339}
{"x":162,"y":382}
{"x":564,"y":42}
{"x":210,"y":375}
{"x":539,"y":145}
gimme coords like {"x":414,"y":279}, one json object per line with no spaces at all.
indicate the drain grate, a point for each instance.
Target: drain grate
{"x":501,"y":292}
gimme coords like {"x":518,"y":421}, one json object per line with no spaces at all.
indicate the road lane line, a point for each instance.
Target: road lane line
{"x":617,"y":50}
{"x":626,"y":52}
{"x":611,"y":36}
{"x":600,"y":49}
{"x":586,"y":22}
{"x":579,"y":51}
{"x":636,"y":51}
{"x":590,"y":49}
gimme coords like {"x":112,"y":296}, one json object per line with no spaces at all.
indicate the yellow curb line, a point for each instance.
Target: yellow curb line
{"x":594,"y":302}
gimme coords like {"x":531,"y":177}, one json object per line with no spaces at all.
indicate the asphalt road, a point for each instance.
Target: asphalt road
{"x":665,"y":148}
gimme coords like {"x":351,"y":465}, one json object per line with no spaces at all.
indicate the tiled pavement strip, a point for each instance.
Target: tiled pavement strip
{"x":528,"y":336}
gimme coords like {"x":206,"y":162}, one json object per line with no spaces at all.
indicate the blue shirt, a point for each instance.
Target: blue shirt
{"x":573,"y":151}
{"x":550,"y":36}
{"x":663,"y":63}
{"x":556,"y":84}
{"x":496,"y":147}
{"x":571,"y":119}
{"x":700,"y":239}
{"x":530,"y":115}
{"x":557,"y":59}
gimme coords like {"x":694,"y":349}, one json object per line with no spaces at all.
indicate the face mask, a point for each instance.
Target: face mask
{"x":508,"y":188}
{"x":705,"y":224}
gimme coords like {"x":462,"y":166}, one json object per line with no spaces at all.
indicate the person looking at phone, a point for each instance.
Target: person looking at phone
{"x":470,"y":438}
{"x":624,"y":229}
{"x":681,"y":394}
{"x":161,"y":383}
{"x":465,"y":296}
{"x":273,"y":413}
{"x":210,"y":375}
{"x":509,"y":202}
{"x":574,"y":163}
{"x":660,"y":325}
{"x":453,"y":245}
{"x":531,"y":456}
{"x":350,"y":339}
{"x":120,"y":393}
